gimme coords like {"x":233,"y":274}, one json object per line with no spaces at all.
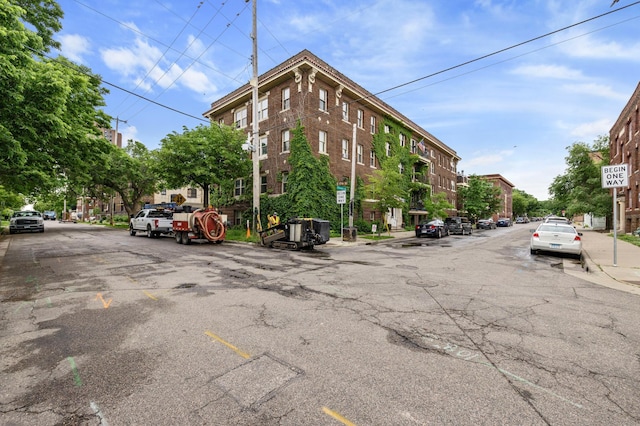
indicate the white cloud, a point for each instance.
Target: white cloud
{"x":593,"y":89}
{"x":75,"y":47}
{"x":548,"y":71}
{"x":588,"y":132}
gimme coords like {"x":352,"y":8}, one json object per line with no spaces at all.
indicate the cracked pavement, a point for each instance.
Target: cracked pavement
{"x":464,"y":330}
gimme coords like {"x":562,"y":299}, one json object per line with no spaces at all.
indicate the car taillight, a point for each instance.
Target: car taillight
{"x":536,"y":235}
{"x":417,"y":226}
{"x":432,"y":227}
{"x":577,"y":238}
{"x":155,"y":222}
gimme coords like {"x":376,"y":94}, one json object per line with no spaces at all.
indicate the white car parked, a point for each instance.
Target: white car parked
{"x":556,"y":237}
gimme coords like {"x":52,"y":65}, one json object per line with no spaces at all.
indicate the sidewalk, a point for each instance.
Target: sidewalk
{"x":598,"y":264}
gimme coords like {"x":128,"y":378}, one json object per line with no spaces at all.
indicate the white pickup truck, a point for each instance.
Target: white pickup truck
{"x":154,"y":222}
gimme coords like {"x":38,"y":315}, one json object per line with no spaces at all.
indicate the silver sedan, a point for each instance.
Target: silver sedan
{"x":556,"y":237}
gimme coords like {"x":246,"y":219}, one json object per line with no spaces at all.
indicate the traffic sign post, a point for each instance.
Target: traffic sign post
{"x":341,"y":198}
{"x":615,"y":176}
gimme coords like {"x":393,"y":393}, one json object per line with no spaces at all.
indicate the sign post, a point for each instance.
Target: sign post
{"x":341,"y":198}
{"x":615,"y":176}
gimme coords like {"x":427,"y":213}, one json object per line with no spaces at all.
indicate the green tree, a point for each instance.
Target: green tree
{"x":480,"y":198}
{"x":311,"y":188}
{"x":579,"y":190}
{"x":49,"y":111}
{"x":206,"y":156}
{"x":391,"y":185}
{"x":437,"y":205}
{"x":524,"y":204}
{"x":129,"y":172}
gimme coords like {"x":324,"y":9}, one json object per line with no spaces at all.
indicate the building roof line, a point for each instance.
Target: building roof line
{"x":305,"y":56}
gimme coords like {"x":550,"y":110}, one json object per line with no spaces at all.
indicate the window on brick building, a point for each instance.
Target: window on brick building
{"x":345,"y":111}
{"x":345,"y":149}
{"x":322,"y":142}
{"x":286,"y":143}
{"x":240,"y":118}
{"x":263,"y":109}
{"x":286,"y":98}
{"x":373,"y":125}
{"x":372,"y":158}
{"x":323,"y":96}
{"x":360,"y":118}
{"x":239,"y":187}
{"x":285,"y":178}
{"x":264,"y":139}
{"x":192,"y":193}
{"x":360,"y":154}
{"x":263,"y":184}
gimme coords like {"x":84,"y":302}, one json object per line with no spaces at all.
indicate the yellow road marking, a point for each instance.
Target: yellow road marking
{"x":149,"y":295}
{"x":105,"y":303}
{"x":337,"y":416}
{"x":229,"y":345}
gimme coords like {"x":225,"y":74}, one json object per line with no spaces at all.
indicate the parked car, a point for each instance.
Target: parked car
{"x":522,"y":219}
{"x":557,"y":238}
{"x":636,"y":232}
{"x":557,"y":219}
{"x":458,"y":225}
{"x":49,"y":215}
{"x":486,"y":224}
{"x":26,"y":221}
{"x":504,"y":221}
{"x":432,"y":228}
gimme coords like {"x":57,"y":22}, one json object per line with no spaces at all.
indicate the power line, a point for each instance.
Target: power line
{"x":503,"y":50}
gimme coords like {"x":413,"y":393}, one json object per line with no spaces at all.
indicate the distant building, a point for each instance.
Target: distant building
{"x":506,"y":192}
{"x":183,"y":196}
{"x":506,"y":197}
{"x":624,"y":139}
{"x":328,"y":105}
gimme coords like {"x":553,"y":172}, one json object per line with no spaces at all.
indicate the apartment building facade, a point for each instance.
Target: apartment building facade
{"x":506,"y":195}
{"x":624,"y":140}
{"x":340,"y":119}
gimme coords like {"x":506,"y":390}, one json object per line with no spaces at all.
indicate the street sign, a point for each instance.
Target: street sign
{"x":341,"y":195}
{"x":178,"y":199}
{"x":615,"y":176}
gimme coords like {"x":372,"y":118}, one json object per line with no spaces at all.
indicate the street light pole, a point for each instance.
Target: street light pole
{"x":254,"y":120}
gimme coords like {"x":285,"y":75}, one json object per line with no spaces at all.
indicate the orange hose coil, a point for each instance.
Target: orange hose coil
{"x":210,"y":223}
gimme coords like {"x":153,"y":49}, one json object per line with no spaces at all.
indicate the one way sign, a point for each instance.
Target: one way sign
{"x":615,"y":176}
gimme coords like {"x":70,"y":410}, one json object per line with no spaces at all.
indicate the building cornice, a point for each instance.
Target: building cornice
{"x":307,"y":61}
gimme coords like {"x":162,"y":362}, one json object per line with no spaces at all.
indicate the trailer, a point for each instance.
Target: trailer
{"x":296,"y":234}
{"x":201,"y":225}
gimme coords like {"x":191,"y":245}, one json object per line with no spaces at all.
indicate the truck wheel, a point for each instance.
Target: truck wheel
{"x":185,"y":238}
{"x":178,"y":237}
{"x":149,"y":233}
{"x":132,"y":232}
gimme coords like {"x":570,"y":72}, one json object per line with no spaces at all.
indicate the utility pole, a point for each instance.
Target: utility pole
{"x":111,"y":202}
{"x":254,"y":119}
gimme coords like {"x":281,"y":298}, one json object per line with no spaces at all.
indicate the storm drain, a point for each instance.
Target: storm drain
{"x":257,"y":381}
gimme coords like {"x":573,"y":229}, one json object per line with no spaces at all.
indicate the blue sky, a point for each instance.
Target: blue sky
{"x":513,"y":113}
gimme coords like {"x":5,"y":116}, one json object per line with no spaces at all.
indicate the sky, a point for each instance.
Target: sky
{"x":501,"y":82}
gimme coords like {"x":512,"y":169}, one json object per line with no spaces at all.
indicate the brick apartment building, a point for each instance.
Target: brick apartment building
{"x":506,"y":195}
{"x":328,"y":104}
{"x":624,"y":139}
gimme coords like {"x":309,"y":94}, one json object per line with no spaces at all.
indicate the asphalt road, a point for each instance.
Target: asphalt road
{"x":101,"y":328}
